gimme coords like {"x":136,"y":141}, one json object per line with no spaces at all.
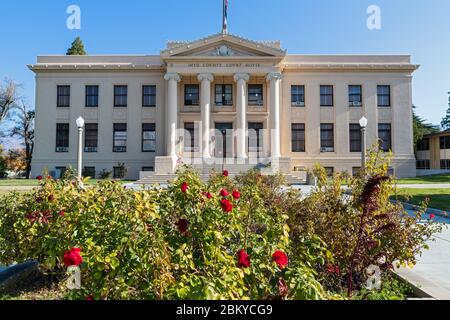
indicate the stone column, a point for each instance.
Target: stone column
{"x":274,"y":80}
{"x":205,"y":105}
{"x":241,"y":80}
{"x":172,"y":113}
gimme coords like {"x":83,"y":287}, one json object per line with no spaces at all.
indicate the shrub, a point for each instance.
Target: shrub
{"x":361,"y":227}
{"x":105,"y":174}
{"x":178,"y":243}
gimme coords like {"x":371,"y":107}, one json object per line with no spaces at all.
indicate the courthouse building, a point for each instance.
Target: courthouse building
{"x":220,"y":99}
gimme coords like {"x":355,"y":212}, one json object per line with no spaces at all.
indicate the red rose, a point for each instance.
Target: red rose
{"x":49,"y":177}
{"x":225,"y":173}
{"x":39,"y":178}
{"x":280,"y":258}
{"x":209,"y":195}
{"x":243,"y":259}
{"x":224,"y":193}
{"x":89,"y":298}
{"x":236,"y":195}
{"x":432,"y":216}
{"x":62,"y":213}
{"x":227,"y":206}
{"x":182,"y":225}
{"x":283,"y":288}
{"x":73,"y":257}
{"x":184,"y":187}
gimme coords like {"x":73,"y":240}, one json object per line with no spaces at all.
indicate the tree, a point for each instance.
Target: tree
{"x":24,"y":130}
{"x":421,"y":128}
{"x":445,"y":124}
{"x":2,"y":164}
{"x":16,"y":160}
{"x":77,"y":48}
{"x":8,"y":97}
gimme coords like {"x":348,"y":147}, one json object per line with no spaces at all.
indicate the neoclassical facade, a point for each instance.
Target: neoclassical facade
{"x":221,"y":101}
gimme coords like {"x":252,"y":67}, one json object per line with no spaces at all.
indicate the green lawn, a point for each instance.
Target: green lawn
{"x":34,"y":182}
{"x":440,"y":178}
{"x":439,"y":198}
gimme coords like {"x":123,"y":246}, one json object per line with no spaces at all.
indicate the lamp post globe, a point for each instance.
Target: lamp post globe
{"x":80,"y":124}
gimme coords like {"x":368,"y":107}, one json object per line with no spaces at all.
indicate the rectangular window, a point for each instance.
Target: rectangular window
{"x":91,"y":137}
{"x":355,"y":95}
{"x":60,"y":172}
{"x":384,"y":96}
{"x":423,"y":145}
{"x":298,"y":137}
{"x":423,"y":164}
{"x":385,"y":137}
{"x":62,"y":137}
{"x":149,"y":96}
{"x":445,"y":164}
{"x":191,"y":95}
{"x":119,"y":172}
{"x":148,"y":137}
{"x":148,"y":169}
{"x":326,"y":96}
{"x":89,"y":172}
{"x":356,"y":171}
{"x":298,"y":96}
{"x":355,"y":138}
{"x":326,"y":137}
{"x":120,"y":137}
{"x":255,"y":95}
{"x":92,"y":96}
{"x":329,"y":171}
{"x":444,"y":142}
{"x":224,"y":95}
{"x":120,"y":96}
{"x":63,"y":96}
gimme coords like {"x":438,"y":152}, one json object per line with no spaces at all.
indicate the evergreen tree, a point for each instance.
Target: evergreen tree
{"x":445,"y":124}
{"x":77,"y":48}
{"x":421,"y":128}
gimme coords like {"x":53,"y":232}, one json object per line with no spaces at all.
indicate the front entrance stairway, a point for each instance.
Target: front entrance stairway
{"x":152,"y":178}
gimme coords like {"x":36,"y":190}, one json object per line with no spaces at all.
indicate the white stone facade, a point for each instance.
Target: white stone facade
{"x":234,"y":65}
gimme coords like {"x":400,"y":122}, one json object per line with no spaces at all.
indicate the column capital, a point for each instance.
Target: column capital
{"x":205,"y":77}
{"x":172,"y":76}
{"x":241,"y":76}
{"x":274,"y":76}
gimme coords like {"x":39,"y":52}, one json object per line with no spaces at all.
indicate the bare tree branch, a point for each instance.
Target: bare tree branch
{"x":8,"y":97}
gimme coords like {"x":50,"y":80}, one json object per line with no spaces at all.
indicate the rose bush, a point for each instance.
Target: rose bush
{"x":193,"y":240}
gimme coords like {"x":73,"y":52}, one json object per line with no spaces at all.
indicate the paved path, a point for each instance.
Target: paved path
{"x":424,"y":186}
{"x":432,"y":272}
{"x":16,"y":188}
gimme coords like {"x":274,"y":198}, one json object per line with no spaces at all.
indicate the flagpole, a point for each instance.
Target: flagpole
{"x":225,"y":17}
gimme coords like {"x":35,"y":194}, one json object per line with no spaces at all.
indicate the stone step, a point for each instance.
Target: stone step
{"x":164,"y":179}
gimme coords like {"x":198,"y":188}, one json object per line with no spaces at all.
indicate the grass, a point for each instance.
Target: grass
{"x":439,"y":198}
{"x":34,"y":182}
{"x":439,"y":178}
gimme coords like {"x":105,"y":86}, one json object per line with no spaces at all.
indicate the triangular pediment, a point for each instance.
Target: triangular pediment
{"x":224,"y":45}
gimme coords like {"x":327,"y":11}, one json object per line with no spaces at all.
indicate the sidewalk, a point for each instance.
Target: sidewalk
{"x":424,"y":186}
{"x":432,"y":272}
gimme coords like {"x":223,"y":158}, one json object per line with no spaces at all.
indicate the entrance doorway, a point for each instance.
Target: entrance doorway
{"x":255,"y":140}
{"x":224,"y":140}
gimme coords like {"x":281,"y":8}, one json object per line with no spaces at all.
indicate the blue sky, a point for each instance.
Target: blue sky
{"x":420,"y":28}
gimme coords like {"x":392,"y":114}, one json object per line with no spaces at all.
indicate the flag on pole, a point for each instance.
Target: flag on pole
{"x":225,"y":17}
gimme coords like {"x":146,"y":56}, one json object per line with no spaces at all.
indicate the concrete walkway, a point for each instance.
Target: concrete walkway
{"x":424,"y":186}
{"x":432,"y":273}
{"x":16,"y":188}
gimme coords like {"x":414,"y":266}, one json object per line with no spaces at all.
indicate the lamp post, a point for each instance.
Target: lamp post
{"x":80,"y":125}
{"x":363,"y":123}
